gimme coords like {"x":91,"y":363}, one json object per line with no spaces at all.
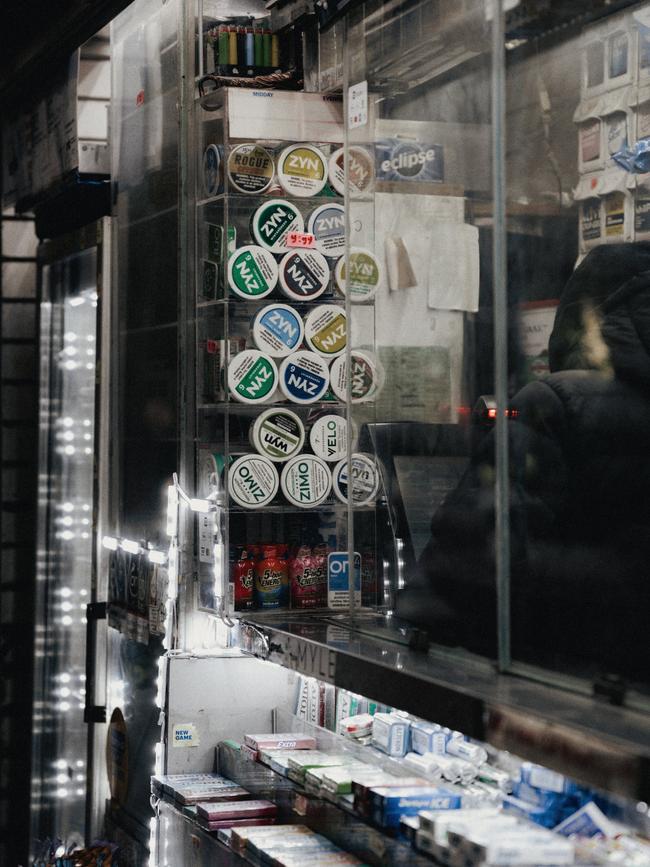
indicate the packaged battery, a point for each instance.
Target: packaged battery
{"x":428,"y":737}
{"x":281,"y":741}
{"x":240,"y":810}
{"x":391,"y":734}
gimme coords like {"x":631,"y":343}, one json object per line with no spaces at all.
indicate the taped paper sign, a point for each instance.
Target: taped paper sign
{"x":185,"y":735}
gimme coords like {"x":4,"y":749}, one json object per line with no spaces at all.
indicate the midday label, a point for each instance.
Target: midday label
{"x":185,"y":735}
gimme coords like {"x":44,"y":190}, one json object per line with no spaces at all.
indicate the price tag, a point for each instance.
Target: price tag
{"x":301,"y":239}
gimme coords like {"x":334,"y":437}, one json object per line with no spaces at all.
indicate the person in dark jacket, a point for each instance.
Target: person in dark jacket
{"x":579,"y":442}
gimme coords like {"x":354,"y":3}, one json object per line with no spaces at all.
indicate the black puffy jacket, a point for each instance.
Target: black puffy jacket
{"x":579,"y":447}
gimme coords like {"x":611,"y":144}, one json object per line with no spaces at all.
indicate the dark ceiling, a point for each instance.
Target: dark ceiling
{"x":35,"y":34}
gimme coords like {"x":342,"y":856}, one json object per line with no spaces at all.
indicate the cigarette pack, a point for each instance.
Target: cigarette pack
{"x":282,"y":741}
{"x":194,"y":794}
{"x":545,"y":816}
{"x":357,"y":726}
{"x":390,"y":804}
{"x":588,"y":821}
{"x":239,"y":810}
{"x":519,"y":847}
{"x":543,"y":778}
{"x":436,"y":823}
{"x":244,"y":833}
{"x":391,"y":734}
{"x":234,"y":823}
{"x":408,"y":827}
{"x":428,"y":738}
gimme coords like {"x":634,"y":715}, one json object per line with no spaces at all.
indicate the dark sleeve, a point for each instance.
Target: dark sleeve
{"x":456,"y":580}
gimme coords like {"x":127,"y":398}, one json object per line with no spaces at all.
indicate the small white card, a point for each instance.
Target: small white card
{"x":185,"y":735}
{"x":358,"y":105}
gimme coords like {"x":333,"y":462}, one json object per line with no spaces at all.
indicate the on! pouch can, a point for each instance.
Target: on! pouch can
{"x":304,"y":377}
{"x":278,"y":330}
{"x":327,"y":225}
{"x":303,"y":274}
{"x":361,"y":170}
{"x":302,"y":170}
{"x":278,"y":434}
{"x":306,"y":481}
{"x":328,"y":437}
{"x":272,"y":222}
{"x":252,"y":481}
{"x":365,"y":480}
{"x":366,"y":275}
{"x":367,"y":376}
{"x":252,"y":376}
{"x":252,"y":272}
{"x":326,"y":330}
{"x":250,"y":169}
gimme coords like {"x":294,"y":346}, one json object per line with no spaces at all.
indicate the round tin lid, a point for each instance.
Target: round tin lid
{"x":304,"y":377}
{"x":328,"y":437}
{"x":272,"y":222}
{"x":252,"y":272}
{"x":327,"y":225}
{"x":361,"y":170}
{"x":302,"y":170}
{"x":367,"y":376}
{"x":326,"y":330}
{"x":303,"y":274}
{"x":252,"y":481}
{"x":365,"y":480}
{"x":306,"y":481}
{"x":366,"y":275}
{"x":278,"y":434}
{"x":250,"y":169}
{"x":278,"y":330}
{"x":212,"y":170}
{"x":252,"y":376}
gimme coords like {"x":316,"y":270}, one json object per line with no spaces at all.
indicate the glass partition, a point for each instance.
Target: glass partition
{"x":420,"y":308}
{"x":577,"y":109}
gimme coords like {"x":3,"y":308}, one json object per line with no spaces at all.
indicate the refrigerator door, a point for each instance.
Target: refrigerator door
{"x":65,"y":548}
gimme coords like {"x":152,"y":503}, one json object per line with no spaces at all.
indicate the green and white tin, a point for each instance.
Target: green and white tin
{"x":306,"y":481}
{"x":252,"y":376}
{"x":252,"y":272}
{"x":272,"y":222}
{"x":278,"y":434}
{"x":252,"y":481}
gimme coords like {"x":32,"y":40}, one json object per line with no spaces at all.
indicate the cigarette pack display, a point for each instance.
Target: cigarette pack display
{"x":240,"y":810}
